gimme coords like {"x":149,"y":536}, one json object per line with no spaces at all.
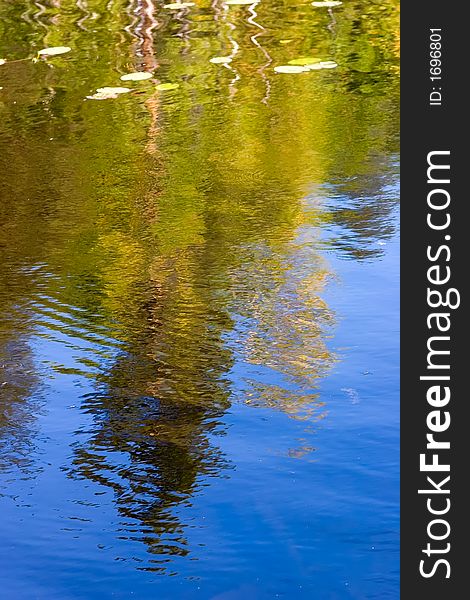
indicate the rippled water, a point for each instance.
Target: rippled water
{"x":199,"y":302}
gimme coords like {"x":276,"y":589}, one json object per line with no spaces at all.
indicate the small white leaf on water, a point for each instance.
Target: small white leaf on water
{"x":327,"y":4}
{"x":235,"y":2}
{"x":314,"y":67}
{"x":102,"y":96}
{"x":106,"y":93}
{"x":328,"y":64}
{"x":138,"y":76}
{"x":178,"y":5}
{"x":54,"y":51}
{"x":290,"y":69}
{"x":220,"y":60}
{"x":113,"y":90}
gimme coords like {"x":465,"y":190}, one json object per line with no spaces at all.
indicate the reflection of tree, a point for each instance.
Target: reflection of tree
{"x":22,"y":276}
{"x":152,"y":452}
{"x":362,"y":218}
{"x":190,"y":256}
{"x":283,"y":325}
{"x":143,"y":30}
{"x":18,"y":381}
{"x":162,"y":397}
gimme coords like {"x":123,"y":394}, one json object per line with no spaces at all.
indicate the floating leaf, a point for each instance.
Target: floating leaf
{"x":290,"y":69}
{"x":138,"y":76}
{"x":2,"y":61}
{"x":102,"y":96}
{"x":113,"y":90}
{"x":105,"y":93}
{"x":221,"y":60}
{"x":306,"y":61}
{"x":326,"y":4}
{"x":324,"y":64}
{"x":167,"y":86}
{"x":328,"y":64}
{"x":54,"y":51}
{"x":314,"y":67}
{"x":235,"y":2}
{"x":178,"y":5}
{"x":285,"y":41}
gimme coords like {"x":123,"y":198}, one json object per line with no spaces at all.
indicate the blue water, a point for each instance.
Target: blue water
{"x":288,"y":507}
{"x":199,"y":302}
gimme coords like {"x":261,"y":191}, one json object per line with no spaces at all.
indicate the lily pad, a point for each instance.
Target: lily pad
{"x":327,"y":4}
{"x":309,"y":60}
{"x":106,"y":93}
{"x":138,"y":76}
{"x":314,"y":67}
{"x":113,"y":90}
{"x":102,"y":96}
{"x":167,"y":86}
{"x":221,"y":60}
{"x":178,"y":5}
{"x":54,"y":51}
{"x":290,"y":69}
{"x":328,"y":64}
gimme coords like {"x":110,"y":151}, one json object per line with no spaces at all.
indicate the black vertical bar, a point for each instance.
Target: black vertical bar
{"x":434,"y":120}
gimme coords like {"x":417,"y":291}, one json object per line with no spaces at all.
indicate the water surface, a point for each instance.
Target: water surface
{"x":199,"y":302}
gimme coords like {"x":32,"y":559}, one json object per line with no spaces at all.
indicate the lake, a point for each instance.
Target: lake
{"x":199,"y":300}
